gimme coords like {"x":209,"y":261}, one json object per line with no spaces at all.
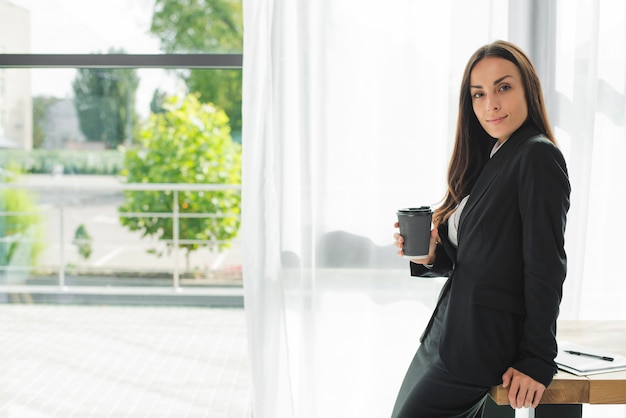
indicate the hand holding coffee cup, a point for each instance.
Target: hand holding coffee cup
{"x":416,"y":240}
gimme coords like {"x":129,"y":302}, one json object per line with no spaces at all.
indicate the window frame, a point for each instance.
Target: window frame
{"x":201,"y":61}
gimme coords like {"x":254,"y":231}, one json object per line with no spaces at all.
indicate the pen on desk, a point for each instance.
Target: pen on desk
{"x":578,"y":353}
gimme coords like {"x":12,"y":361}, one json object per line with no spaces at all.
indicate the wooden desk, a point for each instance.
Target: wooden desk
{"x":572,"y":391}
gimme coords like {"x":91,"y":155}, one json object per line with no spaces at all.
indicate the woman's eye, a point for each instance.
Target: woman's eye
{"x":505,"y":87}
{"x":477,"y":95}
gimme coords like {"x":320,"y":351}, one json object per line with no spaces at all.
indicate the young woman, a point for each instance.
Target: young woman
{"x":498,"y":236}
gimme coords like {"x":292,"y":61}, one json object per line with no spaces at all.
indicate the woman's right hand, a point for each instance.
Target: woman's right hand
{"x":434,"y":241}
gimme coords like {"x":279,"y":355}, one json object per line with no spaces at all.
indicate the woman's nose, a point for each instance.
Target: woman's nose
{"x":493,"y":103}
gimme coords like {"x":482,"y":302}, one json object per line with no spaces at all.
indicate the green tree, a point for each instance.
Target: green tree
{"x":105,"y":103}
{"x":156,"y":104}
{"x":189,"y":143}
{"x":83,"y":241}
{"x":41,"y":104}
{"x":22,"y":227}
{"x":214,"y":26}
{"x":222,"y":87}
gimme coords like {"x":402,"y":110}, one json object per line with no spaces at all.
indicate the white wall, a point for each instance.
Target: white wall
{"x":16,"y":108}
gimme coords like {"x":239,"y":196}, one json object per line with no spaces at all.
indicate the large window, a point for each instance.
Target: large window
{"x":119,"y":185}
{"x":86,"y":91}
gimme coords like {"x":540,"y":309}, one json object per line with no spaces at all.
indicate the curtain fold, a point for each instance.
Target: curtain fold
{"x":349,"y":114}
{"x":264,"y":301}
{"x":589,"y":102}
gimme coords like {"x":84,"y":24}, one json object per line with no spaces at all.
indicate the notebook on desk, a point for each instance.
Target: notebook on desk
{"x":589,"y":360}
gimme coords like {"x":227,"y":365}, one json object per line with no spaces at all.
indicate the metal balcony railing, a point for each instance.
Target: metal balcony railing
{"x":65,"y":202}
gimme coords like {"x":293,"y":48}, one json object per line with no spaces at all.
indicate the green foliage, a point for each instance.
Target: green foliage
{"x":189,"y":143}
{"x":156,"y":104}
{"x":105,"y":103}
{"x":83,"y":241}
{"x":21,"y":228}
{"x":41,"y":161}
{"x":207,"y":26}
{"x":190,"y":26}
{"x":222,"y":87}
{"x":40,"y":108}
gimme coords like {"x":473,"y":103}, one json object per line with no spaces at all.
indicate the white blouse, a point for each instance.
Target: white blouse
{"x":453,"y":221}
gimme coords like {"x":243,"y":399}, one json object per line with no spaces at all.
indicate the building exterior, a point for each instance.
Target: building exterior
{"x":16,"y":106}
{"x":62,"y":128}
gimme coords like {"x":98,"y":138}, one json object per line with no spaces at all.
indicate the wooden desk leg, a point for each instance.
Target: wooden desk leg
{"x":493,"y":410}
{"x":558,"y":410}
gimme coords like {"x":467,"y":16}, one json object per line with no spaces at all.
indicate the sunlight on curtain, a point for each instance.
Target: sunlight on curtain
{"x":590,"y":83}
{"x":349,"y":113}
{"x":590,"y":78}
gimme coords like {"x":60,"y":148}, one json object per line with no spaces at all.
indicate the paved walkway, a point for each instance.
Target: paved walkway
{"x":123,"y":361}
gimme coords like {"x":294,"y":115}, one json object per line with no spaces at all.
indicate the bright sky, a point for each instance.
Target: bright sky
{"x":88,"y":26}
{"x":83,"y":26}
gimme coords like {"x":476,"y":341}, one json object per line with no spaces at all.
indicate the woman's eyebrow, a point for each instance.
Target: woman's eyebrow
{"x":498,"y":81}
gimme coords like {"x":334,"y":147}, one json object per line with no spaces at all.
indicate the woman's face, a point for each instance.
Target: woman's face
{"x":498,"y":97}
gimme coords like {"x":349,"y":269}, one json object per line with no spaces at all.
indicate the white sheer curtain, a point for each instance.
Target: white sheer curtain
{"x":590,"y":104}
{"x":589,"y":101}
{"x":349,"y":113}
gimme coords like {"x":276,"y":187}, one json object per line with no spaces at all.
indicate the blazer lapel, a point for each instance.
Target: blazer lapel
{"x":493,"y":167}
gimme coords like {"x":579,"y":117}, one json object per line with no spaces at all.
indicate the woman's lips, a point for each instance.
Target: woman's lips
{"x":496,"y":120}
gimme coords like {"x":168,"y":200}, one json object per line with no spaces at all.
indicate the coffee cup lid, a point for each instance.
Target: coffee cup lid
{"x":421,"y":209}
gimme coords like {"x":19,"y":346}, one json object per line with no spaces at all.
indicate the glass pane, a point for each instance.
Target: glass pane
{"x":25,"y":93}
{"x":74,"y":139}
{"x":132,"y":26}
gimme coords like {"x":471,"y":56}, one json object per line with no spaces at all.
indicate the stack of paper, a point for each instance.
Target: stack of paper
{"x":589,"y":360}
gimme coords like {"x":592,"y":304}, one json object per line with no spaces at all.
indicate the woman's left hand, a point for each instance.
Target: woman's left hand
{"x":524,"y":391}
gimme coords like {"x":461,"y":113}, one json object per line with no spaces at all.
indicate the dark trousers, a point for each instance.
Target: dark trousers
{"x":429,"y":391}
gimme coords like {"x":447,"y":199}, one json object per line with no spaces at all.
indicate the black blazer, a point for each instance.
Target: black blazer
{"x":505,"y":280}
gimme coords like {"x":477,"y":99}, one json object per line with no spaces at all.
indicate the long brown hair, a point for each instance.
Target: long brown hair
{"x":472,"y":143}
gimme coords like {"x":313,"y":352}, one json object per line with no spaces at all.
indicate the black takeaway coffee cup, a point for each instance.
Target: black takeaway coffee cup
{"x":414,"y":226}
